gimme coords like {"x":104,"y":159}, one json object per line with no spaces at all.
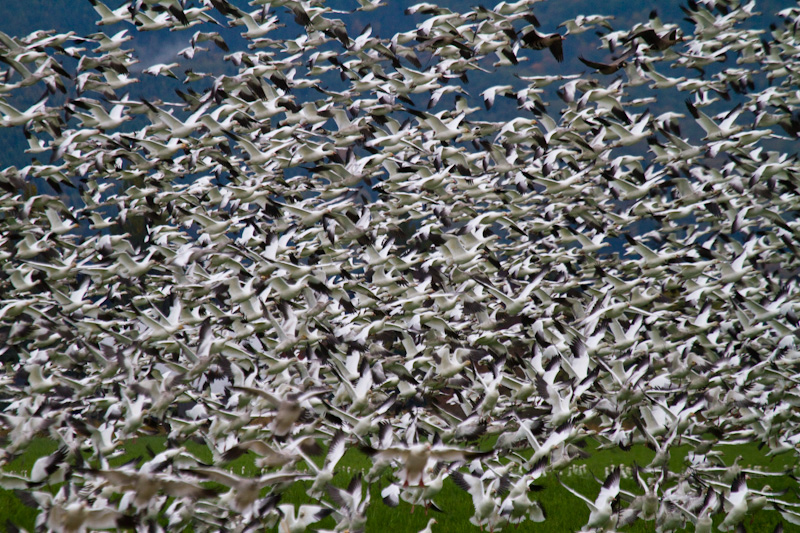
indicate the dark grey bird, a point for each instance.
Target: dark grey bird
{"x":609,"y":68}
{"x":533,"y":39}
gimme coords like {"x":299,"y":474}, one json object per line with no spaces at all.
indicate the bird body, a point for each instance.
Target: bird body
{"x":600,"y":510}
{"x":655,"y":41}
{"x":553,"y":42}
{"x":487,"y":506}
{"x":609,"y":68}
{"x":289,"y":409}
{"x":244,"y":491}
{"x":416,"y":458}
{"x":297,"y":519}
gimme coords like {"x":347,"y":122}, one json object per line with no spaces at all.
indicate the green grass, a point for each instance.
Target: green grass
{"x":565,"y":512}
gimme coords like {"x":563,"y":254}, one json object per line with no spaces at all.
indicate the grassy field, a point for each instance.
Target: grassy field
{"x":564,"y":511}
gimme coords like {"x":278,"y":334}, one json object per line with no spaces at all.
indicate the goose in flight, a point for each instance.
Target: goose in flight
{"x":416,"y":458}
{"x":656,"y":41}
{"x":244,"y":491}
{"x":351,"y":504}
{"x":289,"y":409}
{"x":601,"y":509}
{"x":552,"y":42}
{"x":143,"y":486}
{"x":487,"y":505}
{"x":609,"y":68}
{"x":297,"y":519}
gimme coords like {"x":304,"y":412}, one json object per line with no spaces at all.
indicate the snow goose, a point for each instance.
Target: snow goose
{"x":109,"y":17}
{"x":582,"y":23}
{"x":716,"y":131}
{"x":735,"y":503}
{"x":351,"y":503}
{"x":270,"y":456}
{"x":702,"y":517}
{"x":516,"y":505}
{"x":600,"y":510}
{"x":423,"y":495}
{"x":77,"y":517}
{"x":13,"y":117}
{"x":487,"y":505}
{"x":244,"y":491}
{"x":141,"y":487}
{"x":297,"y":520}
{"x":323,"y":476}
{"x":428,"y":528}
{"x":417,"y":457}
{"x":289,"y":409}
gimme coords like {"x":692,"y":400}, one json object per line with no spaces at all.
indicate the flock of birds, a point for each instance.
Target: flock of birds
{"x":324,"y":248}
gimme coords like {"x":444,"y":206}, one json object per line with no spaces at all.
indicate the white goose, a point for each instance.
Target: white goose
{"x":289,"y":409}
{"x":416,"y":458}
{"x":297,"y":519}
{"x":600,"y":510}
{"x":244,"y":491}
{"x":487,"y":505}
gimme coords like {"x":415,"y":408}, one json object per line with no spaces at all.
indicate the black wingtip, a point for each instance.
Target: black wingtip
{"x":692,"y":109}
